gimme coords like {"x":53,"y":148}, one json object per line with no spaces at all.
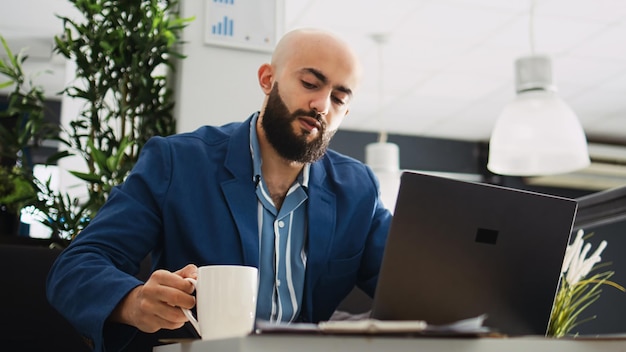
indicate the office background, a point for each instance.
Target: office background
{"x":443,"y":94}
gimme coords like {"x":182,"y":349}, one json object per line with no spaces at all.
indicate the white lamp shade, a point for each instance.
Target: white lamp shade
{"x":537,"y":134}
{"x":384,"y":159}
{"x":382,"y":156}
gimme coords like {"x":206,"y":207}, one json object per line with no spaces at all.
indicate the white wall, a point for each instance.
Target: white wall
{"x":30,"y":25}
{"x":215,"y":85}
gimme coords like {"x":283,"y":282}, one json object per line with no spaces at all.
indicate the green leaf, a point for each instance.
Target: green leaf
{"x":98,"y":156}
{"x":54,"y":158}
{"x":6,"y":84}
{"x":8,"y":50}
{"x":86,"y":177}
{"x":121,"y":152}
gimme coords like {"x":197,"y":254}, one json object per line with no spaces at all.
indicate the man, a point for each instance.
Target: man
{"x":265,"y":193}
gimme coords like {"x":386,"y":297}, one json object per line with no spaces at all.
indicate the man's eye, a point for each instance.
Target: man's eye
{"x":308,"y":85}
{"x":337,"y":100}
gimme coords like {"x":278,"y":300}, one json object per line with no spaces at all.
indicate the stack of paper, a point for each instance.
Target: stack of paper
{"x":374,"y":326}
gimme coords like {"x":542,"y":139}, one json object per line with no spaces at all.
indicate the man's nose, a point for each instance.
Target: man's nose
{"x":321,"y":104}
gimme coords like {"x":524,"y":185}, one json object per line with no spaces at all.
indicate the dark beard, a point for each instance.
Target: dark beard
{"x":276,"y":123}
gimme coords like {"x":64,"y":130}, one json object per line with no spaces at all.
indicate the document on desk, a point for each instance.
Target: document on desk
{"x":471,"y":326}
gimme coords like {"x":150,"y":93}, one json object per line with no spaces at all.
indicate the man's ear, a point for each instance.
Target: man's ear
{"x":266,"y":75}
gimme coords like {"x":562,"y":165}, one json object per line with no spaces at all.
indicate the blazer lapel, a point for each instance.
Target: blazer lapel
{"x":322,"y":218}
{"x":240,"y":192}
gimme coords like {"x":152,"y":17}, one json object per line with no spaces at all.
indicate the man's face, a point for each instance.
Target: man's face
{"x":278,"y":124}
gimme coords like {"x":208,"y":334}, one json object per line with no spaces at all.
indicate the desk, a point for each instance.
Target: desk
{"x":332,"y":343}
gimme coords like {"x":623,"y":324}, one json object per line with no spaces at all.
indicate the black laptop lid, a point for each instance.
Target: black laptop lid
{"x":460,"y":249}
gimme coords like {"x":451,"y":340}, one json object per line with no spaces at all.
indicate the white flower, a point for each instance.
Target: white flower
{"x":575,"y":264}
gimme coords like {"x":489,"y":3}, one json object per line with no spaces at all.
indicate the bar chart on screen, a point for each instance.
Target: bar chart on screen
{"x":242,"y":24}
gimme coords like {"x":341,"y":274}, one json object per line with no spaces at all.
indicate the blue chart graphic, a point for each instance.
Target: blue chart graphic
{"x":244,"y":24}
{"x":225,"y":27}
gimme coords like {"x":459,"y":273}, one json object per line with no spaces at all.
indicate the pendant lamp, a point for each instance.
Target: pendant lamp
{"x":384,"y":157}
{"x":537,"y":133}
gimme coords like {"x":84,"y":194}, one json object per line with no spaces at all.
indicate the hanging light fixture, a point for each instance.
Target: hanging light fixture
{"x":537,"y":133}
{"x":384,"y":157}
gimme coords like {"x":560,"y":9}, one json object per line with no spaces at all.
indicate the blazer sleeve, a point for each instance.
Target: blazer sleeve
{"x":97,"y":270}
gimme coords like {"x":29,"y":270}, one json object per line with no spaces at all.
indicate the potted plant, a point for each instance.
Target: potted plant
{"x":22,"y":127}
{"x":124,"y":53}
{"x":580,"y":286}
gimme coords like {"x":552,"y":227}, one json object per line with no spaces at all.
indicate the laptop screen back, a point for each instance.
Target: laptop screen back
{"x":460,"y":249}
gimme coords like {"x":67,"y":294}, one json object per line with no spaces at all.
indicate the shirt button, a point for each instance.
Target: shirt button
{"x":281,"y":224}
{"x":277,"y":283}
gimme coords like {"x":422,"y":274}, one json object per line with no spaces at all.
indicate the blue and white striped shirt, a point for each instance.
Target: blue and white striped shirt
{"x":282,"y":239}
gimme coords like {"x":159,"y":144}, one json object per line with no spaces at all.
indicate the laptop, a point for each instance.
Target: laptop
{"x":460,"y":249}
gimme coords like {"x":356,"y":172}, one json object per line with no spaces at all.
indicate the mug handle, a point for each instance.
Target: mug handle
{"x":187,"y":312}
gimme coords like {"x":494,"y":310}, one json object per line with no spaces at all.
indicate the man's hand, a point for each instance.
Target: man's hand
{"x":156,"y":304}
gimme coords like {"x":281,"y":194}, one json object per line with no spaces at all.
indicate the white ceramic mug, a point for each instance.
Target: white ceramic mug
{"x":226,"y":297}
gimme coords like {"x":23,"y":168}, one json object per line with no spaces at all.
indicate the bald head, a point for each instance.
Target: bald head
{"x":317,"y":47}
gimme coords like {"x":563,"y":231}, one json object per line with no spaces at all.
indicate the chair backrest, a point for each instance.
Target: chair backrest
{"x":29,"y":323}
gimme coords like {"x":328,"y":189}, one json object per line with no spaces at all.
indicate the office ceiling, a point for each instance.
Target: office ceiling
{"x":447,"y":69}
{"x":448,"y":65}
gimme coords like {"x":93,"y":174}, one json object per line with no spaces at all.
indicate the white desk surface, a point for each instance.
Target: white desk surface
{"x":331,"y":343}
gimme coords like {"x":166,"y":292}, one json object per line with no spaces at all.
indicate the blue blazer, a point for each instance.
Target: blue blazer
{"x":191,"y":199}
